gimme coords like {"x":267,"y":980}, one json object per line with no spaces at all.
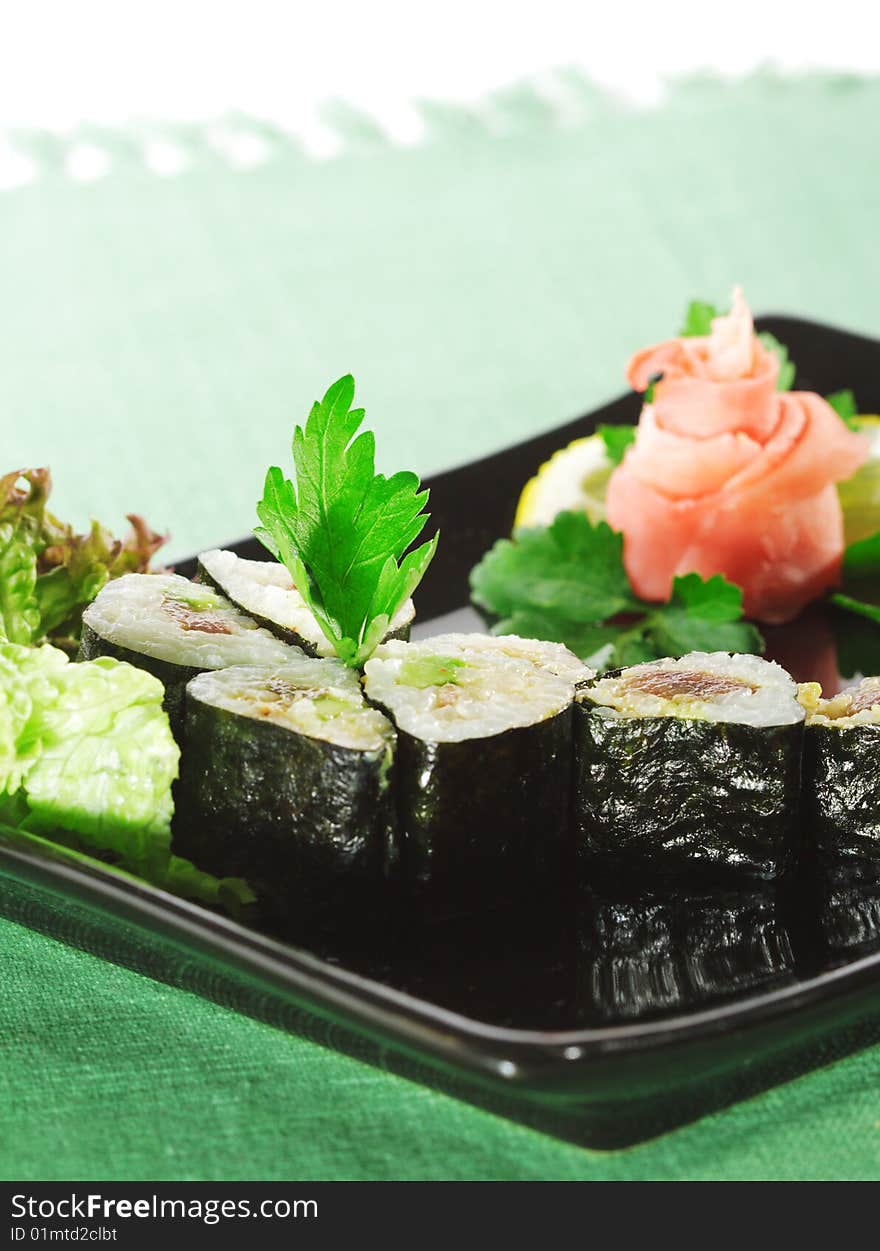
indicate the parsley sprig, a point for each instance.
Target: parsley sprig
{"x":343,"y":530}
{"x":567,"y":584}
{"x":860,"y":576}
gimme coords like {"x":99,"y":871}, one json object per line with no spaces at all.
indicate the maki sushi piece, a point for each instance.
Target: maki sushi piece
{"x":264,"y":589}
{"x":285,"y":781}
{"x":174,"y":629}
{"x":483,"y":776}
{"x":842,"y":768}
{"x":689,"y":763}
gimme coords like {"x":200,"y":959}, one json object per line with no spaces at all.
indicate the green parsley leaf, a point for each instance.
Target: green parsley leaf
{"x":861,"y":607}
{"x":635,"y":647}
{"x":572,"y":569}
{"x":567,"y":584}
{"x":649,"y":389}
{"x":616,"y":439}
{"x":860,"y":572}
{"x":698,"y":319}
{"x":703,"y":616}
{"x":343,"y":529}
{"x":844,"y":404}
{"x":857,"y":643}
{"x":861,"y":560}
{"x":785,"y":380}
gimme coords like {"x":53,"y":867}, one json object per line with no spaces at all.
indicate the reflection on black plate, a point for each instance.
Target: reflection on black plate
{"x":849,"y":907}
{"x":646,"y":951}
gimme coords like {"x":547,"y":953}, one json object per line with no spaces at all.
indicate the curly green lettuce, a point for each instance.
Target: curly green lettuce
{"x":26,"y":682}
{"x":19,"y":610}
{"x":88,"y":748}
{"x":87,"y":760}
{"x":49,"y":572}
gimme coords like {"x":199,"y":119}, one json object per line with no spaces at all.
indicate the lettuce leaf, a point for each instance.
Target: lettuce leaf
{"x":87,"y":760}
{"x":25,"y":679}
{"x":170,"y":873}
{"x":93,"y":750}
{"x":49,"y":572}
{"x":19,"y":610}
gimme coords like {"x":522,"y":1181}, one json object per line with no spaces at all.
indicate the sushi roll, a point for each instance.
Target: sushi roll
{"x":689,"y":763}
{"x":285,"y":781}
{"x":842,"y":768}
{"x":483,"y":776}
{"x":264,"y":589}
{"x":174,"y":629}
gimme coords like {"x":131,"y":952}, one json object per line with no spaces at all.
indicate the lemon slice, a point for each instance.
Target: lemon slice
{"x":574,"y":478}
{"x":860,"y":494}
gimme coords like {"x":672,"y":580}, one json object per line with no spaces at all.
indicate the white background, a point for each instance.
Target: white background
{"x":111,"y":61}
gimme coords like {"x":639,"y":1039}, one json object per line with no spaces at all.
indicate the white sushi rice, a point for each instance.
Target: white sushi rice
{"x":857,"y":705}
{"x":712,"y":686}
{"x":319,"y":698}
{"x":265,"y":588}
{"x":552,"y":657}
{"x":180,"y":622}
{"x":502,"y":683}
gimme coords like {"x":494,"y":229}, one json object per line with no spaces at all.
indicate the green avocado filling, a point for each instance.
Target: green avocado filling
{"x":329,"y":706}
{"x":424,"y":671}
{"x":195,"y":602}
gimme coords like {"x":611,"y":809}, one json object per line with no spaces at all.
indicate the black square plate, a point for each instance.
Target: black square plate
{"x":619,"y":1016}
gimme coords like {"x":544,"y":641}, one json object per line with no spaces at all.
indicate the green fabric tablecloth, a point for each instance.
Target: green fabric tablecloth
{"x":158,"y":336}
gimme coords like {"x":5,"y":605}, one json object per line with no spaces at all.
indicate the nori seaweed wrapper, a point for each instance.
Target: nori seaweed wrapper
{"x":842,"y":789}
{"x":672,"y":793}
{"x":484,"y":767}
{"x":307,"y":822}
{"x":484,"y":821}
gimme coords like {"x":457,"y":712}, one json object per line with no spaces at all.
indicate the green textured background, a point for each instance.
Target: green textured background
{"x":157,"y":339}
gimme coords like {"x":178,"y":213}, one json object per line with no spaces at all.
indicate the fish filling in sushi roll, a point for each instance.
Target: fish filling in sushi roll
{"x":264,"y":589}
{"x":174,"y":629}
{"x":842,"y":768}
{"x":689,"y":762}
{"x":484,"y":762}
{"x":285,"y":780}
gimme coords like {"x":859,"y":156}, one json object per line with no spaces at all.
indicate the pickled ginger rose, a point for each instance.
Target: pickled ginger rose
{"x":728,"y":475}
